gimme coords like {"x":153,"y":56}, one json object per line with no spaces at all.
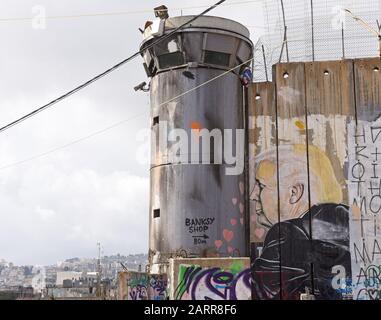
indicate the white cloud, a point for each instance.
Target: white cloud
{"x":45,"y":214}
{"x":72,"y":213}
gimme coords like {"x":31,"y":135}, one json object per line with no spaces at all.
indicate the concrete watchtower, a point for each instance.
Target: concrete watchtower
{"x":196,"y":210}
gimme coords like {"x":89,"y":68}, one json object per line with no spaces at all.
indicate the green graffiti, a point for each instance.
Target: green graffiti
{"x":236,"y":267}
{"x":182,"y":279}
{"x":137,"y":280}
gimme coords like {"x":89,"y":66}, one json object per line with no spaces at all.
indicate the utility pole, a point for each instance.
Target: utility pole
{"x":99,"y":291}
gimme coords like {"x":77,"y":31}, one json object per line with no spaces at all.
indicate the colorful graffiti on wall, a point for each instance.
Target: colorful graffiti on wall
{"x":141,"y":286}
{"x":365,"y":199}
{"x":307,"y":234}
{"x":137,"y":286}
{"x":197,"y":283}
{"x":157,"y":289}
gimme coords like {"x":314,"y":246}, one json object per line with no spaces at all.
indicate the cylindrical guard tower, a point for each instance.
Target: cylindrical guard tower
{"x":196,"y":209}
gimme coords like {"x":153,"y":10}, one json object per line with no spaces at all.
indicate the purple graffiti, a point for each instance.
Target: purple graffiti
{"x":138,"y":292}
{"x":214,"y":284}
{"x":158,"y":287}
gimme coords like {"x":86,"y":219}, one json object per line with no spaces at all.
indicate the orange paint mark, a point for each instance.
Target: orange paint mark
{"x":196,"y":126}
{"x":300,"y":125}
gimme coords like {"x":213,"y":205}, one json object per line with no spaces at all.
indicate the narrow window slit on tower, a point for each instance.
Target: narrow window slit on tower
{"x":155,"y":121}
{"x":156,"y":213}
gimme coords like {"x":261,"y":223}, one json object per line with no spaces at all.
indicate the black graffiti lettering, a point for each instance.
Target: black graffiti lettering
{"x":372,"y":294}
{"x":376,"y":246}
{"x":361,"y":275}
{"x":358,"y":172}
{"x":199,"y":221}
{"x":375,"y":171}
{"x":375,"y":204}
{"x":362,"y":220}
{"x":363,"y":204}
{"x":360,"y":149}
{"x":358,"y":175}
{"x":373,"y":276}
{"x":376,"y":154}
{"x":358,"y":186}
{"x":369,"y":277}
{"x":199,"y":229}
{"x":375,"y":225}
{"x":361,"y":136}
{"x":376,"y":132}
{"x":198,"y":225}
{"x":198,"y":241}
{"x":364,"y":256}
{"x":375,"y":188}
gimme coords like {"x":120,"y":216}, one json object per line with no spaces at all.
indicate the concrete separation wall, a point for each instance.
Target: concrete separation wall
{"x":315,"y":175}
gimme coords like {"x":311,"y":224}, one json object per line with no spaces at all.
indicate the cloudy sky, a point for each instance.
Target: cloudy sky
{"x":60,"y":205}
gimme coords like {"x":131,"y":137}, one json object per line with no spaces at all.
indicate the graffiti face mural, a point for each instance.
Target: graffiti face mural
{"x":294,"y":184}
{"x":307,"y":234}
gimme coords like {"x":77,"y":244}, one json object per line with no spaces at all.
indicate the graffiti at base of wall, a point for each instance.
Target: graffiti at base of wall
{"x":137,"y":286}
{"x":197,"y":283}
{"x":147,"y":287}
{"x":158,"y":287}
{"x":292,"y":258}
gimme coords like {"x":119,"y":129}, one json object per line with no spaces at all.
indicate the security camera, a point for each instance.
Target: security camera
{"x":140,"y":86}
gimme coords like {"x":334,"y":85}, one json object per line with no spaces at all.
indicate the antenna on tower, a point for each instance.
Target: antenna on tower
{"x":99,"y":293}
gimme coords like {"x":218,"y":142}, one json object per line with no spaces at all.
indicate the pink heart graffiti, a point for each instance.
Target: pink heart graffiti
{"x":218,"y":244}
{"x":228,"y":235}
{"x":259,"y":233}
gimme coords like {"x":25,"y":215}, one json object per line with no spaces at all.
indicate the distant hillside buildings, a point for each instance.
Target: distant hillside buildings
{"x":74,"y":277}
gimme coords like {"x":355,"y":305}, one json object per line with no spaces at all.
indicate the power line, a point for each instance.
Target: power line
{"x":73,"y":142}
{"x":118,"y":13}
{"x":113,"y":68}
{"x":121,"y":122}
{"x":364,"y":23}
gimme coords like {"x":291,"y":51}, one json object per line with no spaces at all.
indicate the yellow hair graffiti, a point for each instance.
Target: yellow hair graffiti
{"x":321,"y":167}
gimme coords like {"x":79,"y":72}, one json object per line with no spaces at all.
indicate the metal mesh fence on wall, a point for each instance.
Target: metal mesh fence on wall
{"x":315,"y":30}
